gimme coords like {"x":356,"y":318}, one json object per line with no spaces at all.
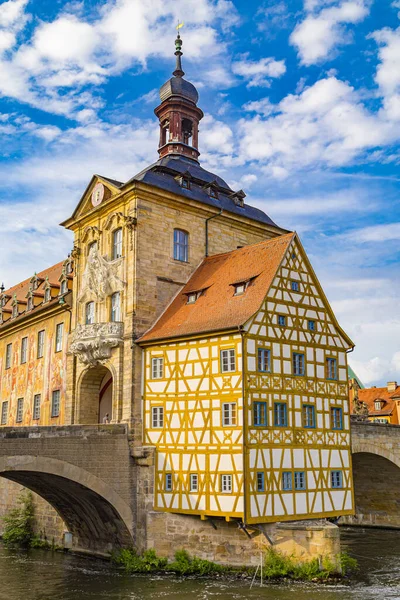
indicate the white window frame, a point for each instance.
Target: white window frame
{"x":47,"y":294}
{"x":40,"y":343}
{"x":157,"y":367}
{"x":8,"y":356}
{"x":63,"y":287}
{"x":55,"y":403}
{"x":59,"y":336}
{"x":226,"y":484}
{"x":37,"y":399}
{"x":24,"y":350}
{"x":4,"y":412}
{"x":229,"y":414}
{"x":117,"y":243}
{"x":116,"y":307}
{"x":90,"y":313}
{"x":228,"y":360}
{"x":19,"y":415}
{"x":157,"y":417}
{"x":194,"y":482}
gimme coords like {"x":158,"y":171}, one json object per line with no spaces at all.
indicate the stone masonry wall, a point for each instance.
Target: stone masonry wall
{"x":48,"y":524}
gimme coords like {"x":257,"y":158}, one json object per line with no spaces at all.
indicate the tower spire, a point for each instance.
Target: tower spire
{"x":178,"y":53}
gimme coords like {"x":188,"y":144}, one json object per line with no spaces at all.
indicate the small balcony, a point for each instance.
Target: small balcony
{"x":92,"y":344}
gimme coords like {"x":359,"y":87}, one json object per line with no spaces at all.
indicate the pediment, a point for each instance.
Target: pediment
{"x":99,"y":190}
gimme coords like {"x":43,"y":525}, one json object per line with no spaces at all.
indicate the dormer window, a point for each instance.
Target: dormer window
{"x":238,"y":198}
{"x":185,"y":183}
{"x":68,"y":267}
{"x":378,"y":404}
{"x":240,"y":288}
{"x":63,"y":287}
{"x":193,"y":296}
{"x":30,"y":303}
{"x":15,"y":311}
{"x":47,"y":295}
{"x":212,"y":192}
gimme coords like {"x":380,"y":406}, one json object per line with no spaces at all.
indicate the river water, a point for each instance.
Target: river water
{"x":39,"y":575}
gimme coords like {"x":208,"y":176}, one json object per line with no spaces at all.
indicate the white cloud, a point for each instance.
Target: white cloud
{"x":319,"y":34}
{"x":388,"y":70}
{"x":326,"y":124}
{"x":259,"y":73}
{"x":374,"y":233}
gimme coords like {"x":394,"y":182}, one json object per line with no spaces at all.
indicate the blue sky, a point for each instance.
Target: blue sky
{"x":302,"y":110}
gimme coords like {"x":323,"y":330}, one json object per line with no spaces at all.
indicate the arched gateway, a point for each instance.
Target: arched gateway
{"x":95,"y":396}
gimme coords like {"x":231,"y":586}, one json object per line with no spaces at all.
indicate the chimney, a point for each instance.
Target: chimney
{"x":391,"y":386}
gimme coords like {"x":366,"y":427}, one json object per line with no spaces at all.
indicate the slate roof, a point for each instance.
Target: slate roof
{"x":218,"y":308}
{"x":162,"y":174}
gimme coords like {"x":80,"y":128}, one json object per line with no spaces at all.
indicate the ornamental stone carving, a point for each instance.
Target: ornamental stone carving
{"x":101,"y":277}
{"x":92,"y":344}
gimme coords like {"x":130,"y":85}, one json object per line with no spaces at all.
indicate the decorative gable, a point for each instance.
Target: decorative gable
{"x":99,"y":191}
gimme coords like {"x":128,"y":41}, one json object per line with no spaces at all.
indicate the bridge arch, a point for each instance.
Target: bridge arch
{"x":376,"y":474}
{"x":98,"y":518}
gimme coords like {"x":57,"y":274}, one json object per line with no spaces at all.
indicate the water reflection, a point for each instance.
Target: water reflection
{"x":44,"y":576}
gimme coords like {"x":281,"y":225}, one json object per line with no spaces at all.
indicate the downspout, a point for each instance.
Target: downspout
{"x":209,"y":219}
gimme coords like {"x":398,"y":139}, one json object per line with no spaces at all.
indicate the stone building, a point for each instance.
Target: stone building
{"x":382,"y":404}
{"x":74,"y":338}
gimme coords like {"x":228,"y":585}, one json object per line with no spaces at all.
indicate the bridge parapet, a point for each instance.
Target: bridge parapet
{"x":75,"y":431}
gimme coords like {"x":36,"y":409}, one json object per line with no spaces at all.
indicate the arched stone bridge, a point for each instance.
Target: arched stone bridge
{"x":84,"y":472}
{"x":376,"y":472}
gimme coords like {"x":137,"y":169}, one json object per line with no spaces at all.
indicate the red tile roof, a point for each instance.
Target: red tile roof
{"x":218,"y":308}
{"x":21,"y":289}
{"x":369,"y":395}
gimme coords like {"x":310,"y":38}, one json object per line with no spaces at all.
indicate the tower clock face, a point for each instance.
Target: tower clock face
{"x":97,"y":194}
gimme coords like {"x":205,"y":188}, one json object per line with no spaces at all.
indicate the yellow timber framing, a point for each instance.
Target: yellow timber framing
{"x":314,"y":451}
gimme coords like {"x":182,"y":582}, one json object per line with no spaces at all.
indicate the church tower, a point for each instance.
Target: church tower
{"x":178,"y":113}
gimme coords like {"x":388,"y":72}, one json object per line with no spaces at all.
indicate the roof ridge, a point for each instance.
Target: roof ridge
{"x":267,"y":241}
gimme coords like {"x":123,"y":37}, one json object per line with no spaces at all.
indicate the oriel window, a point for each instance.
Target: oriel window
{"x":181,"y":245}
{"x":117,"y":244}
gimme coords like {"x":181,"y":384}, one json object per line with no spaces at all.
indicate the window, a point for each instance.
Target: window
{"x":212,"y":192}
{"x":240,"y":288}
{"x":20,"y":410}
{"x":336,"y":418}
{"x":228,"y":361}
{"x":336,"y":479}
{"x":59,"y":336}
{"x":229,"y":417}
{"x":15,"y":310}
{"x":260,"y":482}
{"x":298,"y":364}
{"x":185,"y":183}
{"x":194,"y":482}
{"x":282,"y":320}
{"x":331,"y":368}
{"x":116,"y":307}
{"x":181,"y":245}
{"x":47,"y":295}
{"x":295,"y":286}
{"x":193,"y":296}
{"x":264,"y":360}
{"x":30,"y":303}
{"x":168,"y":482}
{"x":286,"y":481}
{"x":68,"y":267}
{"x":4,"y":413}
{"x":8,"y":355}
{"x":40,"y":344}
{"x":157,"y":417}
{"x":157,"y":368}
{"x":280,"y":414}
{"x":308,"y":416}
{"x":64,"y":287}
{"x":311,"y":325}
{"x":117,"y":244}
{"x":24,"y":350}
{"x":226,"y":484}
{"x":55,"y":403}
{"x":259,"y":414}
{"x":36,"y":407}
{"x":378,"y":405}
{"x":89,"y":313}
{"x":299,"y":480}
